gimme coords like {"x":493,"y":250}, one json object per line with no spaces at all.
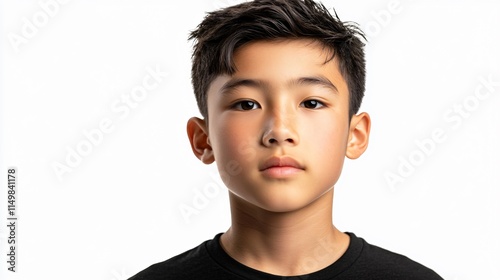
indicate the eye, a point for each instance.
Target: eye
{"x":246,"y":105}
{"x":312,"y":104}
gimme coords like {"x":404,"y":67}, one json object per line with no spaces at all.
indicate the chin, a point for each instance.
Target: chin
{"x":282,"y":197}
{"x":284,"y":204}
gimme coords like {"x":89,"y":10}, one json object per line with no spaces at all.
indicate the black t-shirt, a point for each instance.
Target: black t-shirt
{"x":360,"y":261}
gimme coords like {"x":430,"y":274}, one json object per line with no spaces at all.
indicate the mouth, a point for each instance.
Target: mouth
{"x":280,"y":167}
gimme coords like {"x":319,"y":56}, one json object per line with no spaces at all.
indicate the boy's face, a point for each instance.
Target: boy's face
{"x":279,"y":126}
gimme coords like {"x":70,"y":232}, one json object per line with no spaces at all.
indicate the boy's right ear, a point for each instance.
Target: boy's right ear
{"x":200,"y":143}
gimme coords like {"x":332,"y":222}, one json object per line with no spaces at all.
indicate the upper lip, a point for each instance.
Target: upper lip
{"x":284,"y":161}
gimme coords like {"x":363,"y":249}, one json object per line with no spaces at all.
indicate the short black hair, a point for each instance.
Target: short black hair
{"x":223,"y":31}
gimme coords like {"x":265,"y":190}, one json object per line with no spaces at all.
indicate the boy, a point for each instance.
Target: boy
{"x":279,"y":84}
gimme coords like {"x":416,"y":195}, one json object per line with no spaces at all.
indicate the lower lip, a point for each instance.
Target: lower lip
{"x":281,"y":171}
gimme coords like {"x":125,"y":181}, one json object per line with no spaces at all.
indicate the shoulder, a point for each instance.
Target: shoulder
{"x":181,"y":266}
{"x":380,"y":263}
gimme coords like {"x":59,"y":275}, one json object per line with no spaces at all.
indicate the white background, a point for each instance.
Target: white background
{"x":117,"y":211}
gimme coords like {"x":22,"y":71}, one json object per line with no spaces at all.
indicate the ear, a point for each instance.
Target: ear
{"x":359,"y":132}
{"x":200,"y":143}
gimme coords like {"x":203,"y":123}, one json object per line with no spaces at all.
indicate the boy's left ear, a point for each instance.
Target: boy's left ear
{"x":359,"y":132}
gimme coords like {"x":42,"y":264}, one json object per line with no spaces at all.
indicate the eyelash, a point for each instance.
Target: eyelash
{"x":238,"y":105}
{"x":313,"y":100}
{"x":254,"y":105}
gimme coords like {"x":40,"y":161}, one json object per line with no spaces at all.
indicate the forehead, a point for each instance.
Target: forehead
{"x":279,"y":61}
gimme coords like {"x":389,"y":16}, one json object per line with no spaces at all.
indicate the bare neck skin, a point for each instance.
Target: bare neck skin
{"x":285,"y":244}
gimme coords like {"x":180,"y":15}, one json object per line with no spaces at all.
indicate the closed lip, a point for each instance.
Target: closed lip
{"x":284,"y":161}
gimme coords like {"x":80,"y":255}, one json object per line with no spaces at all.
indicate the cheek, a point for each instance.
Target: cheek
{"x":233,"y":144}
{"x":230,"y":135}
{"x":328,"y":140}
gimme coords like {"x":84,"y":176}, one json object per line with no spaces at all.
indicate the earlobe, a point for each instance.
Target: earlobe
{"x":200,"y":143}
{"x":359,"y":133}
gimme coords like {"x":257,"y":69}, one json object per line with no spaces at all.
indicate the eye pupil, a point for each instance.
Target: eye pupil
{"x":311,"y":104}
{"x":247,"y":105}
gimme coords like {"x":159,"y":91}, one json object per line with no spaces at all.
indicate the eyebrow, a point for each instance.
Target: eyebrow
{"x":236,"y":82}
{"x":315,"y":80}
{"x":262,"y":85}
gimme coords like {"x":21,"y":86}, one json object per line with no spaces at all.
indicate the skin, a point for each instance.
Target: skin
{"x":283,"y":101}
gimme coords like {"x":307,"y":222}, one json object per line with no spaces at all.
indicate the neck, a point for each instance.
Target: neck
{"x":292,"y":243}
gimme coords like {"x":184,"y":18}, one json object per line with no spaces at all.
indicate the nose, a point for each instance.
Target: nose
{"x":280,"y":129}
